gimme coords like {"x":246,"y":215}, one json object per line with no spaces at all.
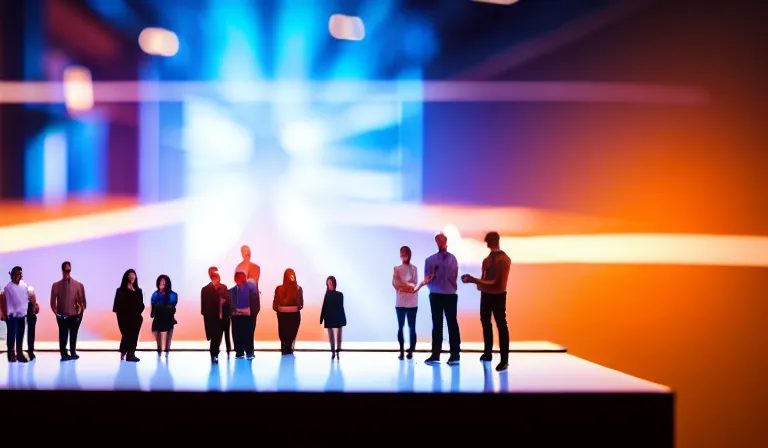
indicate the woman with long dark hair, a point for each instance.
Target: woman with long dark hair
{"x":405,"y":280}
{"x":128,"y":306}
{"x":333,"y":315}
{"x":289,"y":300}
{"x":164,"y":302}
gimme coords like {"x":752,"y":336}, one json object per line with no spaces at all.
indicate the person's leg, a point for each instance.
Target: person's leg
{"x":133,"y":338}
{"x":159,"y":342}
{"x":237,"y":335}
{"x":31,"y":325}
{"x":250,"y":342}
{"x":400,"y":323}
{"x":227,"y":334}
{"x":435,"y":304}
{"x":168,"y":339}
{"x":486,"y":308}
{"x":123,"y":336}
{"x":63,"y":335}
{"x":295,"y":330}
{"x":410,"y":313}
{"x":21,"y":323}
{"x":10,"y":325}
{"x":500,"y":316}
{"x":451,"y":315}
{"x":338,"y":340}
{"x":74,"y":330}
{"x":332,"y":340}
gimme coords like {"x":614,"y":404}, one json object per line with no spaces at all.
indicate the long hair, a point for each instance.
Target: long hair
{"x":290,"y":288}
{"x":333,"y":282}
{"x":407,"y":251}
{"x":124,"y":281}
{"x":168,"y":289}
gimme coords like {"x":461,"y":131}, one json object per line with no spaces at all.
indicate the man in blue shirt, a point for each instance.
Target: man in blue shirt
{"x":441,"y":271}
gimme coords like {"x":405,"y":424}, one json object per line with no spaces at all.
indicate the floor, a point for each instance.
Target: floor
{"x":316,"y":372}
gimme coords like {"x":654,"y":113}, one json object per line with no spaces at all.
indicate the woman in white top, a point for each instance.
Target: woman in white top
{"x":404,"y":280}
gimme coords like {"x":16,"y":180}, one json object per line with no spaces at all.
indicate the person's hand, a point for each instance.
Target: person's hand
{"x":466,"y":278}
{"x":428,"y":279}
{"x":408,"y":289}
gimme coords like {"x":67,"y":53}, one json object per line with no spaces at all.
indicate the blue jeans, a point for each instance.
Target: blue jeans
{"x":15,"y":326}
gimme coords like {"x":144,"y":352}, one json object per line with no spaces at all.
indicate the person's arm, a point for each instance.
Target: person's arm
{"x":33,"y":299}
{"x":115,"y":303}
{"x":152,"y":303}
{"x":255,"y":300}
{"x":84,"y":303}
{"x":395,"y":280}
{"x":54,"y":298}
{"x":3,"y":307}
{"x":141,"y":297}
{"x":274,"y":302}
{"x":300,"y":298}
{"x":202,"y":300}
{"x":322,"y":309}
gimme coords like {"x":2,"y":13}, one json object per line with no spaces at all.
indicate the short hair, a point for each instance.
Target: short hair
{"x":65,"y":264}
{"x":441,"y":234}
{"x":15,"y":271}
{"x":212,"y":269}
{"x":492,"y":237}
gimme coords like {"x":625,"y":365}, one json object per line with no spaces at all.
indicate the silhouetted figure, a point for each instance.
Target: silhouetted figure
{"x":333,"y":315}
{"x":245,"y":305}
{"x":493,"y":299}
{"x":164,"y":302}
{"x":214,"y":306}
{"x":128,"y":307}
{"x":288,"y":303}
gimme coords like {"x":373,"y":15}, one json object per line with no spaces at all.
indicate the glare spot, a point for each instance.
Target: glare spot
{"x":159,"y":42}
{"x":346,"y":27}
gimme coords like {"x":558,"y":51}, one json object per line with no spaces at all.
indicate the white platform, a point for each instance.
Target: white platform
{"x":314,"y":372}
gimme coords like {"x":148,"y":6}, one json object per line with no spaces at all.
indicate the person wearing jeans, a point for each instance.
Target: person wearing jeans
{"x":68,"y":304}
{"x":441,"y":272}
{"x":493,"y":299}
{"x":14,"y":303}
{"x":404,"y":280}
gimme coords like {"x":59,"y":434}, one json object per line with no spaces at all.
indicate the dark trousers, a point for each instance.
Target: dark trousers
{"x":242,"y":334}
{"x":445,"y":304}
{"x":15,"y":336}
{"x":68,"y":328}
{"x":287,"y":329}
{"x":226,"y":324}
{"x":496,"y":305}
{"x":31,"y":324}
{"x":402,"y":314}
{"x":215,"y":330}
{"x":130,"y":327}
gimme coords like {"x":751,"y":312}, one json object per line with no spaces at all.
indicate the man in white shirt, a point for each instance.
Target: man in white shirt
{"x":14,"y":303}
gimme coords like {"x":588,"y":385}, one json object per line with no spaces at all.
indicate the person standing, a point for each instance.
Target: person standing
{"x":441,"y":271}
{"x":164,"y":302}
{"x":493,"y":299}
{"x":333,"y":315}
{"x":33,"y":309}
{"x":14,"y":304}
{"x":68,"y":304}
{"x":245,"y":305}
{"x":128,"y":306}
{"x":288,"y":303}
{"x":404,"y":280}
{"x":214,"y":307}
{"x":252,"y":273}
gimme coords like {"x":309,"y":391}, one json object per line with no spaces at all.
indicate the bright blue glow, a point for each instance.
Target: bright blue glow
{"x":420,"y":42}
{"x":88,"y":140}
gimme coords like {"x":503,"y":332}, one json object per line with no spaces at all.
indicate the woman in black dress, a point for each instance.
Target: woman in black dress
{"x":128,"y":306}
{"x":333,"y":315}
{"x":164,"y":302}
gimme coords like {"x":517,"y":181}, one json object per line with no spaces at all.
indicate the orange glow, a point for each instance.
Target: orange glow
{"x":159,"y":42}
{"x":78,"y":89}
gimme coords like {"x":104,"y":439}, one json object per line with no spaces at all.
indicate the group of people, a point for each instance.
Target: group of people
{"x":230,"y":314}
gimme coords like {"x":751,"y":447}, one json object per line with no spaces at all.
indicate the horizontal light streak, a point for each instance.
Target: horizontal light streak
{"x":363,"y":91}
{"x":635,"y":248}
